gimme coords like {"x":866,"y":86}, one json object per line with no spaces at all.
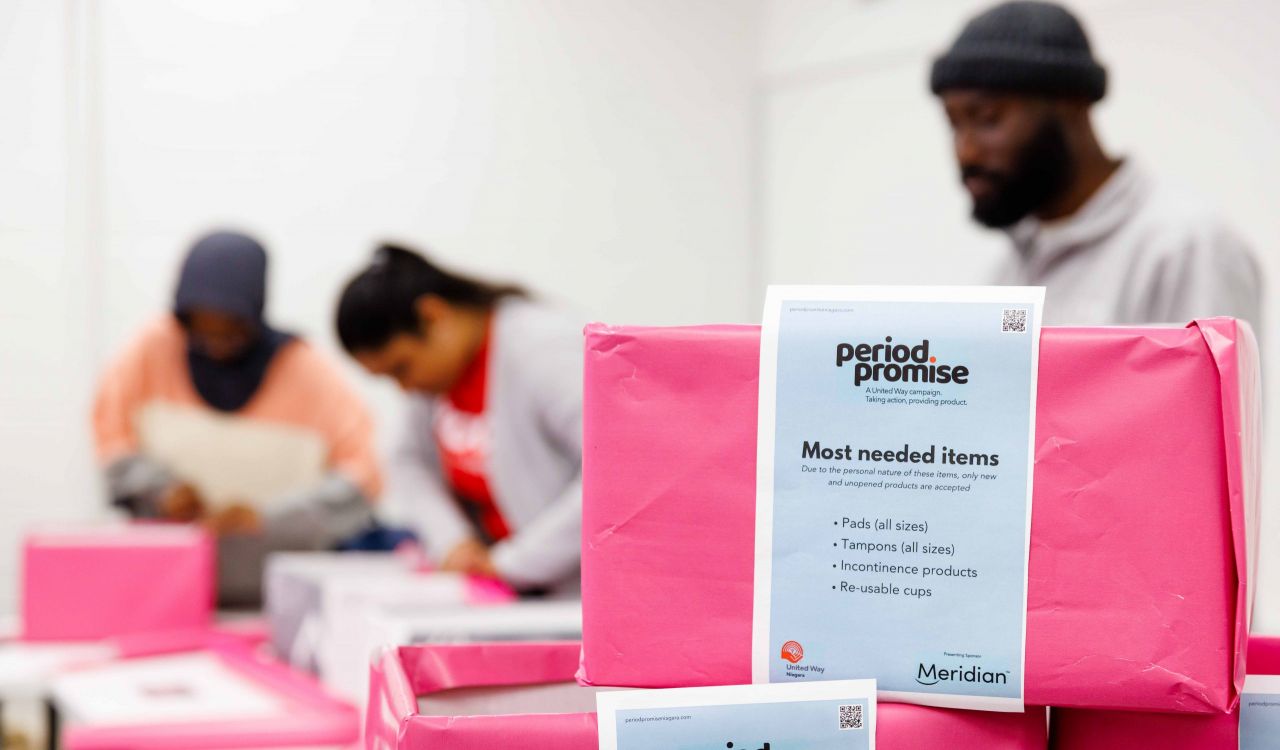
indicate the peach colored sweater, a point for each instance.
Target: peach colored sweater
{"x":301,"y":389}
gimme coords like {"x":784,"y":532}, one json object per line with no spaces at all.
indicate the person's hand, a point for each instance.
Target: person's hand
{"x":180,"y":502}
{"x":237,"y":518}
{"x":469,"y":556}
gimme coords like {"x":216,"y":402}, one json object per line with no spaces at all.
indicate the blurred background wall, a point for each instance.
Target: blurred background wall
{"x":858,"y":183}
{"x":644,"y":162}
{"x":596,"y":150}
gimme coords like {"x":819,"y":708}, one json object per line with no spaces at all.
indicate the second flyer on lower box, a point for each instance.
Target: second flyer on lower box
{"x":894,"y":489}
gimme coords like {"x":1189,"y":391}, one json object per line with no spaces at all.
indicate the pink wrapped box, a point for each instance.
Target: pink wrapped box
{"x":1082,"y":729}
{"x":1145,"y":470}
{"x":91,"y":583}
{"x":483,"y":696}
{"x":223,"y":696}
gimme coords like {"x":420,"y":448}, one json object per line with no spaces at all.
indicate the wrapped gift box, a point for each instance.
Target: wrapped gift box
{"x":89,"y":583}
{"x":1083,"y":729}
{"x":484,"y":696}
{"x":1145,"y":471}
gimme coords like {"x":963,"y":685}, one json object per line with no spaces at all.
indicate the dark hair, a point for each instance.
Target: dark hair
{"x":381,"y":301}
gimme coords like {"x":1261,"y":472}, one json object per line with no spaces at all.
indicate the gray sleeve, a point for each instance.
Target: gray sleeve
{"x":135,"y":484}
{"x":548,"y":550}
{"x":1212,"y":272}
{"x":416,"y":487}
{"x":317,"y":517}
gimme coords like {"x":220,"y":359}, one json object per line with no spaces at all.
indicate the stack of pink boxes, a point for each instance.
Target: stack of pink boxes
{"x":1145,"y":488}
{"x":1144,"y":496}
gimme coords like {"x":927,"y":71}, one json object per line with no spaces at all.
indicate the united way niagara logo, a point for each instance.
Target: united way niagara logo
{"x":792,"y":652}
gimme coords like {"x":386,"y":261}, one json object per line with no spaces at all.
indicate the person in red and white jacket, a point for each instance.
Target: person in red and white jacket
{"x":489,"y":462}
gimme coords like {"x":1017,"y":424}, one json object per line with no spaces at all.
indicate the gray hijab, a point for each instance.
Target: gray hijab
{"x":226,"y":272}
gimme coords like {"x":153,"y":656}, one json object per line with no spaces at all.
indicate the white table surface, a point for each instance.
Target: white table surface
{"x":163,"y":689}
{"x":28,"y":669}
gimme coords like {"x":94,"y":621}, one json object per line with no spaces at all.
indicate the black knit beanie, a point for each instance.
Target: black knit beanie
{"x":1022,"y":46}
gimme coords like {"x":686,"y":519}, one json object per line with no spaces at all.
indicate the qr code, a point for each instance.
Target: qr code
{"x":851,"y":717}
{"x":1014,"y":321}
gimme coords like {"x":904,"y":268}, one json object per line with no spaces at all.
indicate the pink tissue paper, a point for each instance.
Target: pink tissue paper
{"x":1082,"y":729}
{"x":470,"y":696}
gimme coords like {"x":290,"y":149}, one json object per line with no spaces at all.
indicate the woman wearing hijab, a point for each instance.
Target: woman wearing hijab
{"x":212,"y":415}
{"x":489,"y":464}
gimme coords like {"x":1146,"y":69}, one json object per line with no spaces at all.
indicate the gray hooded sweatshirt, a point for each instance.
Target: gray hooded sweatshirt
{"x":1137,"y":252}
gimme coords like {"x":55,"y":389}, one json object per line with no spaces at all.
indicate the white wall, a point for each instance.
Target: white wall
{"x":860,"y":185}
{"x":622,"y":156}
{"x":587,"y":148}
{"x":45,"y":367}
{"x":596,"y":150}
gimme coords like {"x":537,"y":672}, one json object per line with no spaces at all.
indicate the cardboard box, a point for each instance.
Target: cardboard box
{"x":313,"y":599}
{"x":405,"y":624}
{"x":294,"y":595}
{"x":347,"y":633}
{"x":1145,"y":484}
{"x":479,"y":696}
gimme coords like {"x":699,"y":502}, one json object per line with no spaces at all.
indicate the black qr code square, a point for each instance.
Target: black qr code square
{"x":1014,"y":321}
{"x":850,"y":717}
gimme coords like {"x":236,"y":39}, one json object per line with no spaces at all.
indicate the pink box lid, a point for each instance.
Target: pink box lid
{"x":314,"y":717}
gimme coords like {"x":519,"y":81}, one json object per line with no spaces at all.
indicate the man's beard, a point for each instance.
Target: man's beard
{"x":1041,"y":172}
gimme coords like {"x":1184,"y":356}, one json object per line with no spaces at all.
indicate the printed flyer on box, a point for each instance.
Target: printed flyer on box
{"x":1260,"y":713}
{"x":894,"y":489}
{"x":838,"y":715}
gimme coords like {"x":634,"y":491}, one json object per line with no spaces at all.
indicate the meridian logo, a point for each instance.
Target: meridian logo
{"x":898,"y":363}
{"x":932,"y":675}
{"x":792,"y":652}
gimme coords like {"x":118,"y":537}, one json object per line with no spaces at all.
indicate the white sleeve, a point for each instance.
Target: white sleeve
{"x":549,"y":549}
{"x":416,"y":487}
